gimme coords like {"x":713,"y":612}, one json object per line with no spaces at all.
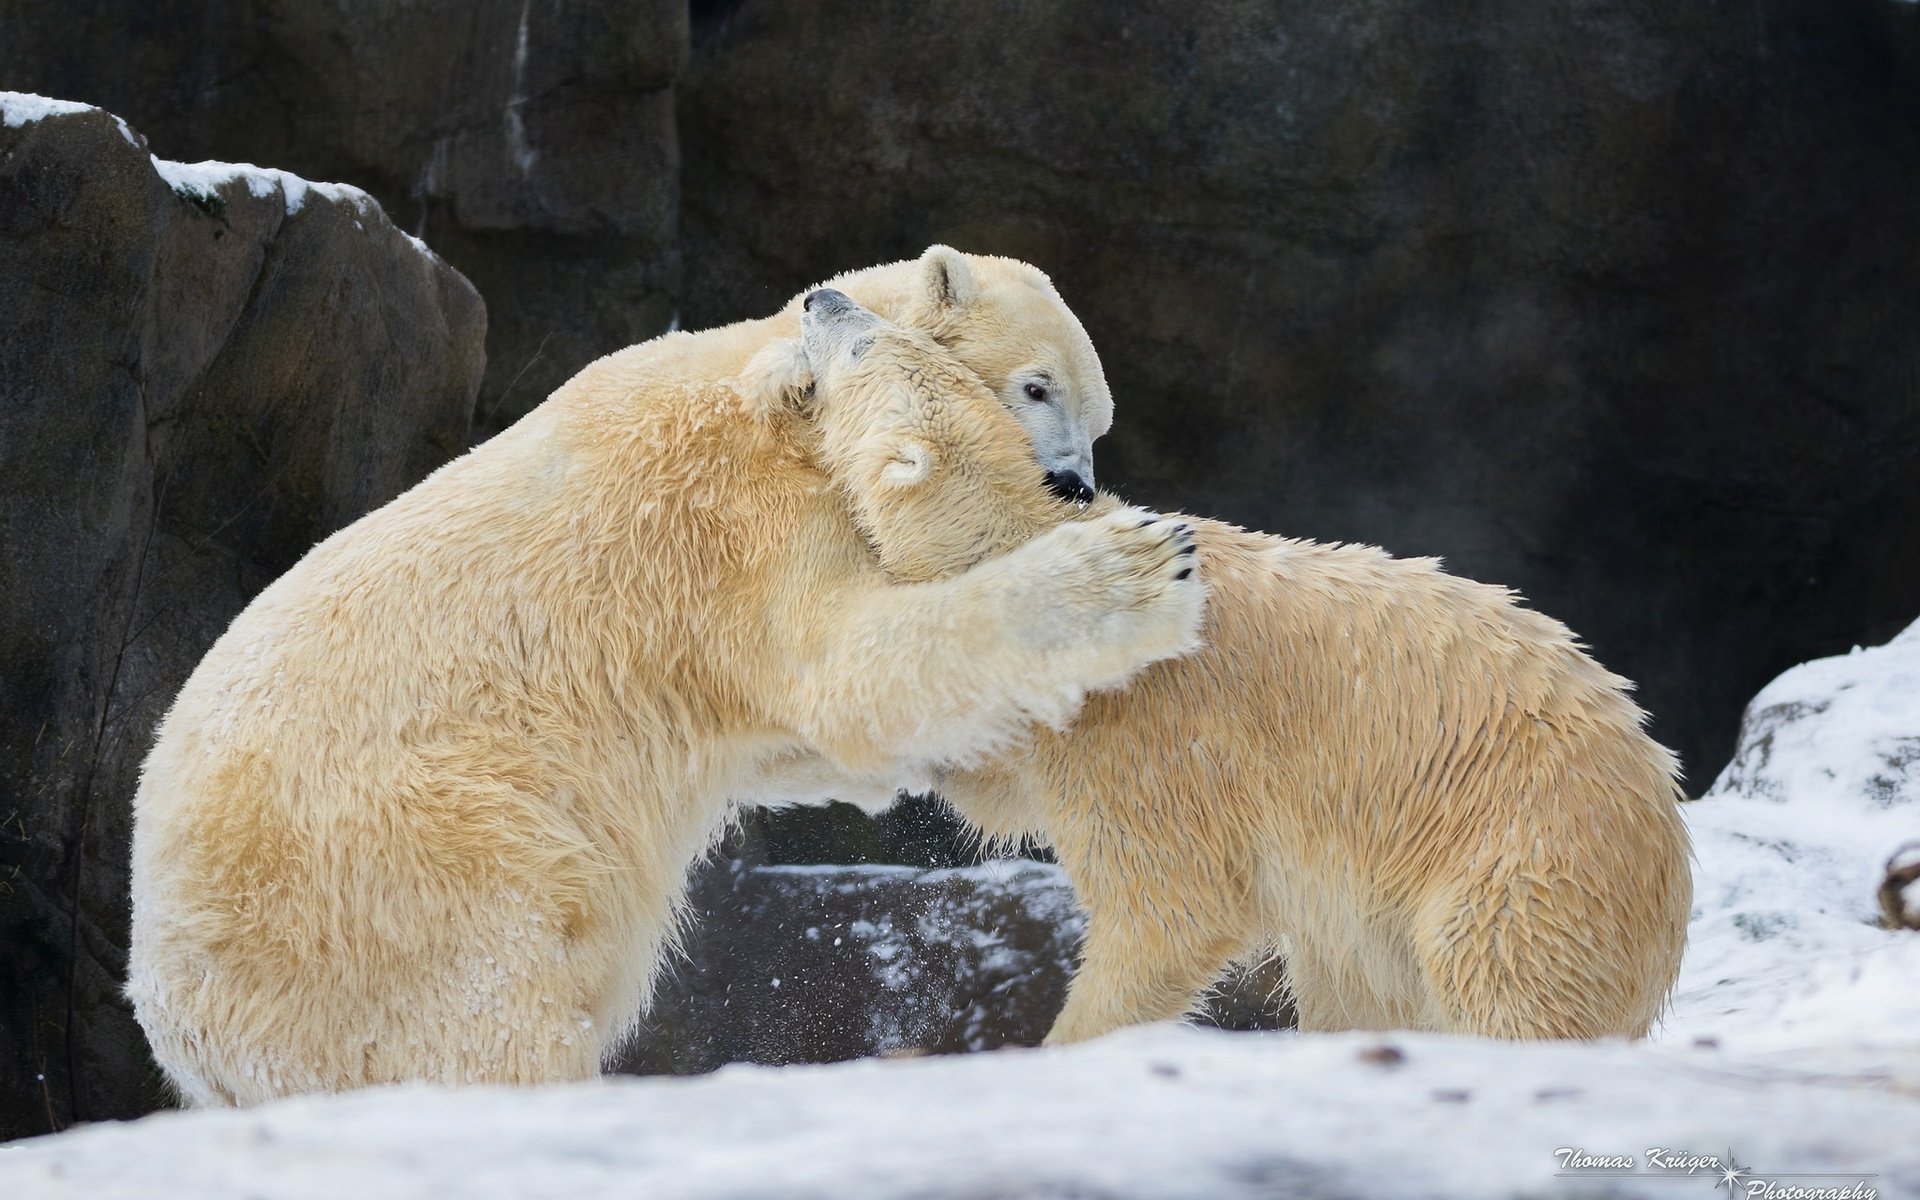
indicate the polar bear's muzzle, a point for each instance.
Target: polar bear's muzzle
{"x":1069,"y":486}
{"x":830,"y":323}
{"x":830,"y":300}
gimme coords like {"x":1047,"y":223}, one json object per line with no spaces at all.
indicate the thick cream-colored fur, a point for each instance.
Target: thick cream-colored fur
{"x":1443,"y":811}
{"x":426,"y":808}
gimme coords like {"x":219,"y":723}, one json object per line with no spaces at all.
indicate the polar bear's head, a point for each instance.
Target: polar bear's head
{"x":1004,"y":321}
{"x":938,"y":475}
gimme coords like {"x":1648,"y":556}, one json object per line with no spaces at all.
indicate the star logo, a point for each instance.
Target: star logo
{"x":1731,"y":1175}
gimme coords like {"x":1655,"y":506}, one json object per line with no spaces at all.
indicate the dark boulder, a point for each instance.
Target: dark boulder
{"x":1608,"y":302}
{"x":199,"y":378}
{"x":818,"y":963}
{"x":533,"y":144}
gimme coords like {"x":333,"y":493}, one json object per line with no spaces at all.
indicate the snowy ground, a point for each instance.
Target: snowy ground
{"x":1157,"y":1112}
{"x":1793,"y":1051}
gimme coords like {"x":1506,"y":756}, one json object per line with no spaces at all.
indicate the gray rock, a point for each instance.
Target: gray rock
{"x":818,"y":964}
{"x":789,"y":964}
{"x":195,"y":386}
{"x":533,"y":144}
{"x":1610,"y":303}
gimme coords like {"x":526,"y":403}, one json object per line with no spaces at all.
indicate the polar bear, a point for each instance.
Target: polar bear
{"x":1004,"y":321}
{"x":425,"y":810}
{"x":1443,"y":812}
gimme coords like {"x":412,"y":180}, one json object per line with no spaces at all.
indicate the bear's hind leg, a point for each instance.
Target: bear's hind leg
{"x":1362,"y":987}
{"x":1507,"y":962}
{"x":1134,"y":972}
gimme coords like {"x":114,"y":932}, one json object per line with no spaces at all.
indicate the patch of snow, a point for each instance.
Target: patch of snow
{"x":23,"y":108}
{"x":205,"y":179}
{"x":1162,"y":1112}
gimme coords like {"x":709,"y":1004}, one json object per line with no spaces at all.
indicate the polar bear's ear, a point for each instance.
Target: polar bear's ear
{"x":946,"y":281}
{"x":909,"y":461}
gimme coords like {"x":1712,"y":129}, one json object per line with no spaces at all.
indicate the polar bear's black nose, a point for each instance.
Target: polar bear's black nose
{"x":1069,"y":486}
{"x":829,"y":300}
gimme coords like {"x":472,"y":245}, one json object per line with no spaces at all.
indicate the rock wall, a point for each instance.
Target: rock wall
{"x":201,"y":374}
{"x":532,"y":144}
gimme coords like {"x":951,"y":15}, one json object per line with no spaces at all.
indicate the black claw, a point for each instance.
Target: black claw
{"x":1147,"y":522}
{"x":1190,"y":548}
{"x":1184,"y":572}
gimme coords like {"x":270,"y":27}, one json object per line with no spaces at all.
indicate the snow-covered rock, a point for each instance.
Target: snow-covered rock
{"x":1791,"y":843}
{"x":208,"y":180}
{"x":20,"y":108}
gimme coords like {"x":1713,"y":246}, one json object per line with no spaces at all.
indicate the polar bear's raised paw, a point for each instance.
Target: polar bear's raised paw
{"x":1116,"y":592}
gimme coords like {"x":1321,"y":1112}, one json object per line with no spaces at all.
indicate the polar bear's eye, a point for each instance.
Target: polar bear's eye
{"x":1036,"y":391}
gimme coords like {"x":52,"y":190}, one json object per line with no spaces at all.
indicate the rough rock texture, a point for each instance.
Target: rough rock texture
{"x":788,"y":964}
{"x":533,"y":144}
{"x":195,"y":386}
{"x":1609,"y":302}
